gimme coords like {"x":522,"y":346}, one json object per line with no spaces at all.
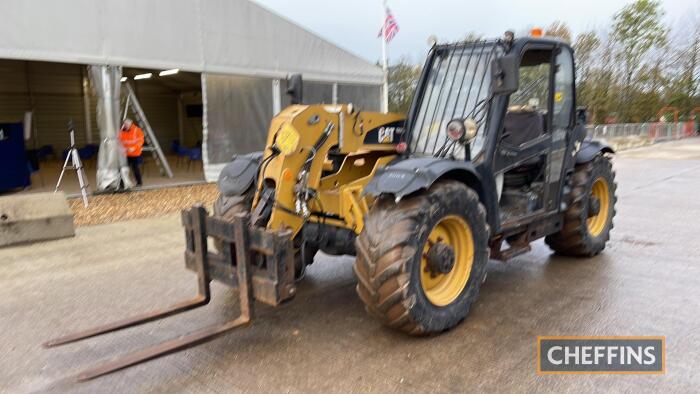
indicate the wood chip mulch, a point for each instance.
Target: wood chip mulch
{"x":108,"y":208}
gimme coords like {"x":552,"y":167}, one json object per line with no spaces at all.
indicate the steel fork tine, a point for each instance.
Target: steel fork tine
{"x":130,"y":322}
{"x":162,"y":349}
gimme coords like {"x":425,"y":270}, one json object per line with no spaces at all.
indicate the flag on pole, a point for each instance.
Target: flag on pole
{"x":390,"y":27}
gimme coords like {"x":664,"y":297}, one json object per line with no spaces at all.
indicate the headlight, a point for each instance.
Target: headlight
{"x":471,"y":128}
{"x":462,"y":130}
{"x":287,"y":139}
{"x":455,"y":129}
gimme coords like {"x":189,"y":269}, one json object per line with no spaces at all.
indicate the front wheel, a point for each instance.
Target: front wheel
{"x":227,"y":207}
{"x":420,"y":262}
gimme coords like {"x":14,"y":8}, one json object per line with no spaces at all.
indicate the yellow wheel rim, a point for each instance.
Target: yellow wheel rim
{"x":441,"y":289}
{"x":597,"y":223}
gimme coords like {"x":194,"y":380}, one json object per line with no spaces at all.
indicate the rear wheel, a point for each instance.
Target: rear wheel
{"x":589,"y":217}
{"x":420,"y":262}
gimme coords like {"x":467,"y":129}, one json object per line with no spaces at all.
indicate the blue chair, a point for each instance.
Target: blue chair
{"x":194,"y":154}
{"x":175,"y":146}
{"x":179,"y":151}
{"x":45,"y":151}
{"x":88,"y":152}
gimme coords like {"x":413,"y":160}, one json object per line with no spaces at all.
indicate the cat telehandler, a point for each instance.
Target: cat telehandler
{"x":491,"y":156}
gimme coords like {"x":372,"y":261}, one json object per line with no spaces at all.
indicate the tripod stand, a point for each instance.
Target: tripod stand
{"x":75,"y":164}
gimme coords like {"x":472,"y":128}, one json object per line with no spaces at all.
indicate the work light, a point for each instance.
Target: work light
{"x":462,"y":130}
{"x":455,"y":129}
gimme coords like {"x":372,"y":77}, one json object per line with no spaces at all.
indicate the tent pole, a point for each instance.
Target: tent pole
{"x":86,"y":106}
{"x":276,"y":97}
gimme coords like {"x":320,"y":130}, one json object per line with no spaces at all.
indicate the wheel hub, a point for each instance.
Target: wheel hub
{"x":446,"y":261}
{"x":441,"y":259}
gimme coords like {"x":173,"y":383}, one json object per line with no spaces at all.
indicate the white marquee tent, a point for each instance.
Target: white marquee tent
{"x":243,"y":52}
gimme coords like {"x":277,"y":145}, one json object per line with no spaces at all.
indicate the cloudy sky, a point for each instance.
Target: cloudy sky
{"x":353,"y":24}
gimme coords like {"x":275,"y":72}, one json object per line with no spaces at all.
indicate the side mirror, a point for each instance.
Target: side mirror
{"x":295,"y":88}
{"x":581,"y":115}
{"x":504,"y":75}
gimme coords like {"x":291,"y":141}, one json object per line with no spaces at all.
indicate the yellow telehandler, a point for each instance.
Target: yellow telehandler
{"x":492,"y":155}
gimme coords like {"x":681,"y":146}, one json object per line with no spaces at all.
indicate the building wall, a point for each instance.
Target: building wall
{"x":54,"y":91}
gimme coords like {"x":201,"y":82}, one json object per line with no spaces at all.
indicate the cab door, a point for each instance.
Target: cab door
{"x":525,"y":139}
{"x":532,"y":143}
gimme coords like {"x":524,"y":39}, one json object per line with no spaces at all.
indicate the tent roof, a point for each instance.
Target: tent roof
{"x":214,"y":36}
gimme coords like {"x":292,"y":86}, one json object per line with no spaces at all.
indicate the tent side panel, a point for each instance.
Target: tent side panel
{"x":238,"y":112}
{"x":363,"y":97}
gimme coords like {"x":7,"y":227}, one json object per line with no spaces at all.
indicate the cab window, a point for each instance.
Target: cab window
{"x":563,"y":107}
{"x":526,"y":118}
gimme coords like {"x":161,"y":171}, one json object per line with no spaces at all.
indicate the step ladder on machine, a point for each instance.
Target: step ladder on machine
{"x":152,"y":144}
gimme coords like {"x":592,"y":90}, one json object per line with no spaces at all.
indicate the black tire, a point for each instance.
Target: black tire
{"x":227,"y":207}
{"x":388,"y":263}
{"x":575,"y":238}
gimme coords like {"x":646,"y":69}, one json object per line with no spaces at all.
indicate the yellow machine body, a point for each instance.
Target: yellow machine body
{"x":358,"y":144}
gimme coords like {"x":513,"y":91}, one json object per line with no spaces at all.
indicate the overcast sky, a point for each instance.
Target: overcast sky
{"x":353,"y":24}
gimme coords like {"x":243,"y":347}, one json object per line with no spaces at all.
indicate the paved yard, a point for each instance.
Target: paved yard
{"x":646,"y":283}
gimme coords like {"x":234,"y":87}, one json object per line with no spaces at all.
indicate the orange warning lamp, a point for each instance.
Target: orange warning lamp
{"x":536,"y":32}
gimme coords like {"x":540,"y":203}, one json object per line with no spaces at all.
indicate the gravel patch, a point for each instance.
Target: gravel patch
{"x":117,"y":207}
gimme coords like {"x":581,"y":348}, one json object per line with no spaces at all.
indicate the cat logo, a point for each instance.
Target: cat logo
{"x":386,"y":135}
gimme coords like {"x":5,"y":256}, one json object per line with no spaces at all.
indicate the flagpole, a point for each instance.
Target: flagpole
{"x":385,"y":66}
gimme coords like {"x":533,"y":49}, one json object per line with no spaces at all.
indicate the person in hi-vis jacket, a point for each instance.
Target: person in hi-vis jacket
{"x":131,"y":137}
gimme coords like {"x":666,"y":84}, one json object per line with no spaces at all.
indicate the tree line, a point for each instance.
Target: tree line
{"x":626,"y":72}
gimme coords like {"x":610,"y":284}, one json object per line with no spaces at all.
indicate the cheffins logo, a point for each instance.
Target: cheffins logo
{"x":596,"y":355}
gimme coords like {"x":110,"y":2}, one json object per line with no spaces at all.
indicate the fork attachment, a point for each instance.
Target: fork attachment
{"x":270,"y":280}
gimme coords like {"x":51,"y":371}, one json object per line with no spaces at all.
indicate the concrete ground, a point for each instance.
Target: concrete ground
{"x":647,"y":282}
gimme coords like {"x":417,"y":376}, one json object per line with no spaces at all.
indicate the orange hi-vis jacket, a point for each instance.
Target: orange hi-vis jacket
{"x":132,"y":140}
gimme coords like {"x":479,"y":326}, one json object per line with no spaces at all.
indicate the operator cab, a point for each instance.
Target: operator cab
{"x":508,"y":107}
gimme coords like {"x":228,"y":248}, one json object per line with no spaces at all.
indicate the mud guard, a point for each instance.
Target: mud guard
{"x":590,"y":149}
{"x":411,"y":175}
{"x":239,"y":174}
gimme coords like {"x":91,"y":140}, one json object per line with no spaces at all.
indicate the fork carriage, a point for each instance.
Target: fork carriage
{"x":269,"y":256}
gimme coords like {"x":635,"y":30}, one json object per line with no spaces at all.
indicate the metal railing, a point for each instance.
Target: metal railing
{"x":658,"y":131}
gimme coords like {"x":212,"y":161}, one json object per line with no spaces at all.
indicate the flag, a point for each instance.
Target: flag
{"x":390,"y":27}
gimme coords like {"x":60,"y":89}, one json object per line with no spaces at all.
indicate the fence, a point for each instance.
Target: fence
{"x":652,"y":132}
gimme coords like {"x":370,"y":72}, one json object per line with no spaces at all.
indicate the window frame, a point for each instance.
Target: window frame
{"x":572,"y":110}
